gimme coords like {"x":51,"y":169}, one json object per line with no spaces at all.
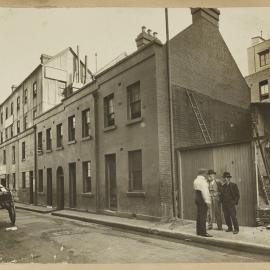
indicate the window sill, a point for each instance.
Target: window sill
{"x":40,"y":193}
{"x":134,"y":121}
{"x":87,"y":195}
{"x":59,"y":148}
{"x":136,"y":194}
{"x":72,"y":142}
{"x":109,"y":128}
{"x":87,"y":138}
{"x":23,"y":159}
{"x":40,"y":153}
{"x":48,"y":150}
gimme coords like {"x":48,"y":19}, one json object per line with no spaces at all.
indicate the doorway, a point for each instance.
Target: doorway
{"x":60,"y":188}
{"x":111,"y":186}
{"x":72,"y":185}
{"x":31,"y":187}
{"x":49,"y":187}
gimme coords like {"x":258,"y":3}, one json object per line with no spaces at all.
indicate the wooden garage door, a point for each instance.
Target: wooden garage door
{"x":237,"y":160}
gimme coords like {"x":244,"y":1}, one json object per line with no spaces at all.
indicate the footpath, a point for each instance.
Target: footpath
{"x":250,"y":239}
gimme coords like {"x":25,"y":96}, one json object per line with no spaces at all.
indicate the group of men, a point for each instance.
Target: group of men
{"x":211,"y":195}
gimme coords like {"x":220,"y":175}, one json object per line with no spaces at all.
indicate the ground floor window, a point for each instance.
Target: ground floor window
{"x":135,"y":170}
{"x":87,"y":177}
{"x":40,"y":180}
{"x":23,"y":180}
{"x":14,"y":180}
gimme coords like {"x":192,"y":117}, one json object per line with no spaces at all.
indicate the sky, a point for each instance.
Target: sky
{"x":26,"y":33}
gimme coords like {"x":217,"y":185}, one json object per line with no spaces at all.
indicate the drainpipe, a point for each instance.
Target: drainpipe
{"x":35,"y":163}
{"x":170,"y":114}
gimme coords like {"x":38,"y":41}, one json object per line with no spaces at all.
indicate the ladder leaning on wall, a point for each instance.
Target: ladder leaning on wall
{"x":197,"y":112}
{"x":265,"y":163}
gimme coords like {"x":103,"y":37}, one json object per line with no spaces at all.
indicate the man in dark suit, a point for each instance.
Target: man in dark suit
{"x":230,"y":197}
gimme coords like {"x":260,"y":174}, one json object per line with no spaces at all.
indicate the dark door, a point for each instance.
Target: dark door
{"x":49,"y":187}
{"x":31,"y":188}
{"x":72,"y":185}
{"x":111,"y":187}
{"x":60,"y":188}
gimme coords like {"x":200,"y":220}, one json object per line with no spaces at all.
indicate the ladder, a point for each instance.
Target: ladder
{"x":199,"y":117}
{"x":264,"y":189}
{"x":265,"y":163}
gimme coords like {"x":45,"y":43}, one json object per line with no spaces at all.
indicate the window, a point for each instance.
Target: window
{"x":135,"y":170}
{"x":25,"y":123}
{"x":13,"y":154}
{"x":48,"y":139}
{"x":34,"y":89}
{"x":39,"y":142}
{"x":71,"y":128}
{"x":23,"y":150}
{"x":7,"y":181}
{"x":14,"y":181}
{"x":87,"y":176}
{"x":34,"y":113}
{"x":1,"y":134}
{"x":6,"y":112}
{"x":18,"y":103}
{"x":1,"y":117}
{"x":264,"y":90}
{"x":11,"y":108}
{"x":23,"y":180}
{"x":25,"y":96}
{"x":108,"y":111}
{"x":11,"y":131}
{"x":40,"y":180}
{"x":18,"y":127}
{"x":4,"y":157}
{"x":59,"y":135}
{"x":86,"y":128}
{"x":264,"y":58}
{"x":134,"y":101}
{"x":6,"y":133}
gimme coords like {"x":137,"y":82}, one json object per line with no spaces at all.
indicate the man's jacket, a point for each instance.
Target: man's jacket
{"x":234,"y":192}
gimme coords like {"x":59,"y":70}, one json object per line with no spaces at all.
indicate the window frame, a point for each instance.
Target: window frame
{"x":25,"y":92}
{"x":137,"y":187}
{"x":59,"y":135}
{"x":134,"y":99}
{"x":40,"y":181}
{"x":264,"y":58}
{"x":13,"y":154}
{"x":23,"y":150}
{"x":35,"y":89}
{"x":87,"y":180}
{"x":71,"y":129}
{"x":86,"y":123}
{"x":48,"y":139}
{"x":109,"y":110}
{"x":23,"y":180}
{"x":264,"y":95}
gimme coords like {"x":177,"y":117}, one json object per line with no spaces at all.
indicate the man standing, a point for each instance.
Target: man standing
{"x":229,"y":198}
{"x":215,"y":210}
{"x":202,"y":200}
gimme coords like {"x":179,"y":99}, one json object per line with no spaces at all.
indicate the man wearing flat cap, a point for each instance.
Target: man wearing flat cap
{"x":202,"y":200}
{"x":230,"y":197}
{"x":214,"y":212}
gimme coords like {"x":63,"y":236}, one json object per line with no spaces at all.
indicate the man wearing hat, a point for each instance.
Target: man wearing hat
{"x":230,"y":197}
{"x":202,"y":200}
{"x":214,"y":212}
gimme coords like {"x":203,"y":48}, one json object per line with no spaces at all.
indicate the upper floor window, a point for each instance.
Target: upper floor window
{"x":13,"y":154}
{"x":59,"y":135}
{"x":18,"y":127}
{"x":6,"y":133}
{"x":11,"y":108}
{"x":6,"y":112}
{"x":135,"y":170}
{"x":40,"y":180}
{"x":23,"y":150}
{"x":71,"y":128}
{"x":34,"y":113}
{"x":11,"y":131}
{"x":34,"y":89}
{"x":108,"y":111}
{"x":134,"y":101}
{"x":18,"y":103}
{"x":39,"y":142}
{"x":25,"y":96}
{"x":23,"y":180}
{"x":1,"y":137}
{"x":264,"y":90}
{"x":86,"y":128}
{"x":4,"y":157}
{"x":1,"y":117}
{"x":264,"y":58}
{"x":86,"y":176}
{"x":25,"y":122}
{"x":49,"y":139}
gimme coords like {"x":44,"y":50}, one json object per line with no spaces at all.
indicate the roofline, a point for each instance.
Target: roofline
{"x":264,"y":40}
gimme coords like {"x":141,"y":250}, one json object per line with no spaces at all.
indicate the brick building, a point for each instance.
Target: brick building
{"x":106,"y":147}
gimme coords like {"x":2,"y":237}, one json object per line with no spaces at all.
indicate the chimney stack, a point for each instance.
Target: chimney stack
{"x":44,"y":58}
{"x":209,"y":14}
{"x":13,"y":87}
{"x":144,"y":37}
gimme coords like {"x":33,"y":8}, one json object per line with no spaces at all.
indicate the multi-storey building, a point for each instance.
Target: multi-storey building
{"x":120,"y":146}
{"x":44,"y":88}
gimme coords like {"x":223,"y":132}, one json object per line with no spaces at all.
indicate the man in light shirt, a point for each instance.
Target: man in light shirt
{"x":202,"y":200}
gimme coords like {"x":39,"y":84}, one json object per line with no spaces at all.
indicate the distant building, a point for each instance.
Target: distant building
{"x":106,"y":147}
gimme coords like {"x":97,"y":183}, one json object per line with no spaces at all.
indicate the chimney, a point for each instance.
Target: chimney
{"x":144,"y":38}
{"x":209,"y":14}
{"x":44,"y":58}
{"x":13,"y":87}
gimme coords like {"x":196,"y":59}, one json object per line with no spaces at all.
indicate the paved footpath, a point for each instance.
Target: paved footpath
{"x":250,"y":239}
